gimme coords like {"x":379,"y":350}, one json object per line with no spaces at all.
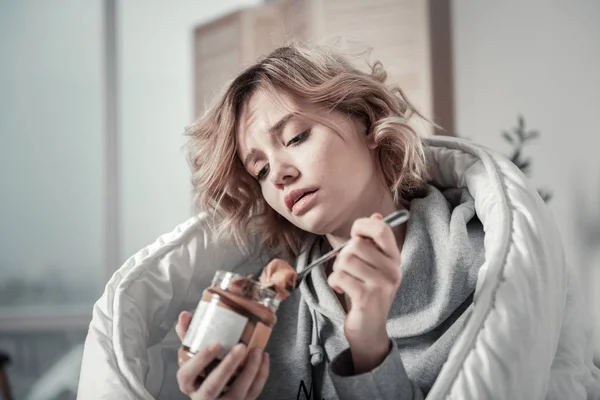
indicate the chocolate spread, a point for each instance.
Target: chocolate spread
{"x":280,"y":276}
{"x":237,"y":309}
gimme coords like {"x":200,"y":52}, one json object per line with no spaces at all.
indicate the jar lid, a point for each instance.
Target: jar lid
{"x":246,"y":287}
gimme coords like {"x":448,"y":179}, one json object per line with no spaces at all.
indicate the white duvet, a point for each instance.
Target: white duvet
{"x":529,"y":336}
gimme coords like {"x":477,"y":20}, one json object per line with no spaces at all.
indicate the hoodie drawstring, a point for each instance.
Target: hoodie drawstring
{"x":317,"y":352}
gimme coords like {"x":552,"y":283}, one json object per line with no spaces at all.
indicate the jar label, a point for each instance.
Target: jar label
{"x":260,"y":337}
{"x":213,"y":323}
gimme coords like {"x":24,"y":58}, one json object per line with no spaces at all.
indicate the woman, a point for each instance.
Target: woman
{"x":305,"y":152}
{"x":310,"y":151}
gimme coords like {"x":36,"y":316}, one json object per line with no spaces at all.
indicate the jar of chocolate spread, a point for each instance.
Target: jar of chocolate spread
{"x":234,"y":309}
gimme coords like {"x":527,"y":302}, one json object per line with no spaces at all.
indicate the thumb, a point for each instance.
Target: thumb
{"x":377,"y":216}
{"x":183,"y":323}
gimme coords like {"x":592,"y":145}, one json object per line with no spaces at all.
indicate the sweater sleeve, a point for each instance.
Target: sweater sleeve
{"x":387,"y":381}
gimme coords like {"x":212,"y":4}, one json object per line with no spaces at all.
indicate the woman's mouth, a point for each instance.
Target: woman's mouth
{"x":303,"y":203}
{"x":298,"y":201}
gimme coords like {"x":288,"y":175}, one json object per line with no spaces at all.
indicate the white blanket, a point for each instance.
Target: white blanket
{"x":529,"y":336}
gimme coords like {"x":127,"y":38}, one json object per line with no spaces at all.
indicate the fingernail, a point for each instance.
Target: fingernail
{"x":256,"y":354}
{"x":240,"y":348}
{"x":214,"y":347}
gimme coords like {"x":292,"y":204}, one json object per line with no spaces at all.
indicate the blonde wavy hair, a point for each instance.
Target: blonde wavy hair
{"x":320,"y":77}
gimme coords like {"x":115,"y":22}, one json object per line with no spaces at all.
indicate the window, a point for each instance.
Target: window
{"x":52,"y":171}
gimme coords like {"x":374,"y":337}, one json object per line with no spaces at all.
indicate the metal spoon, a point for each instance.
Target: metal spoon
{"x":394,"y":219}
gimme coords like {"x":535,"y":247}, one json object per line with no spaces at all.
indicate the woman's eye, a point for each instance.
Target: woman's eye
{"x":296,"y":140}
{"x":262,"y":173}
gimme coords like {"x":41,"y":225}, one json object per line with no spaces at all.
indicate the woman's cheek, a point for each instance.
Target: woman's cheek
{"x":271,"y":200}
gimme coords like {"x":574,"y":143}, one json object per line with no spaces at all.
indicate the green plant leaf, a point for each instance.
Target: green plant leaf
{"x":533,"y":134}
{"x":516,"y":157}
{"x":524,"y":166}
{"x":545,"y":195}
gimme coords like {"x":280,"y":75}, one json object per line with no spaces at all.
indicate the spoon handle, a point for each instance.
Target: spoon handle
{"x":394,"y":219}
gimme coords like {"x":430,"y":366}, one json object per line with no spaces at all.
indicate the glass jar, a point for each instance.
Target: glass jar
{"x":233,"y":309}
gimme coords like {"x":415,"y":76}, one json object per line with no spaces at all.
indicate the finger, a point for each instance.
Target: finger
{"x":183,"y":323}
{"x":377,"y":216}
{"x":261,"y":378}
{"x":379,"y":232}
{"x":189,"y":371}
{"x":215,"y":381}
{"x":358,"y":254}
{"x":182,"y":356}
{"x":349,"y":263}
{"x":244,"y":380}
{"x":360,"y":251}
{"x":341,"y":282}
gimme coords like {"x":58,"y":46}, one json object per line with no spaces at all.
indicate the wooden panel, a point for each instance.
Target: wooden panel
{"x":274,"y":25}
{"x":296,"y":19}
{"x":217,"y":49}
{"x":442,"y":78}
{"x":265,"y":31}
{"x":398,"y":33}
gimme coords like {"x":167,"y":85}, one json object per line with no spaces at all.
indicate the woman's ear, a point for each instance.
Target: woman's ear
{"x":364,"y":127}
{"x":370,"y":138}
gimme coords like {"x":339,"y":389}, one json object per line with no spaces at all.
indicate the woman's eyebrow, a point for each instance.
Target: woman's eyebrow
{"x":249,"y":157}
{"x":276,"y":129}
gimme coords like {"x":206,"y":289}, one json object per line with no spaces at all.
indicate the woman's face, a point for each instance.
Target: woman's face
{"x":319,"y":177}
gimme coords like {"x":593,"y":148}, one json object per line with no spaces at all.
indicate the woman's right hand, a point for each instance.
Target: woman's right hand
{"x":248,"y":384}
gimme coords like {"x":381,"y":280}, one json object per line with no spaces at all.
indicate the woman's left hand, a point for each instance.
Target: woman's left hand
{"x":368,"y":271}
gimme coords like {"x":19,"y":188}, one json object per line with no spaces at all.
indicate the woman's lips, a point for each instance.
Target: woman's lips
{"x":293,"y":196}
{"x":303,"y":204}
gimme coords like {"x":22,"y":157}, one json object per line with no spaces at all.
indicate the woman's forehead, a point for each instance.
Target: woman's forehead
{"x":261,"y":113}
{"x":263,"y":109}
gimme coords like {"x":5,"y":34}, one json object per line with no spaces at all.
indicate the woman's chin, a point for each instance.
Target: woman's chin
{"x":314,"y":222}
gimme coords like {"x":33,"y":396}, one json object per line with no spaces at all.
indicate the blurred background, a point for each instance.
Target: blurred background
{"x":95,"y":94}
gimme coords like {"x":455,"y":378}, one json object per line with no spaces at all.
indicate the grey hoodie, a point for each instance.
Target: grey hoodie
{"x":441,"y":256}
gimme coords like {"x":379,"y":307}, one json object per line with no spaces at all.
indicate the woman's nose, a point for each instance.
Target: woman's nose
{"x":282,"y":174}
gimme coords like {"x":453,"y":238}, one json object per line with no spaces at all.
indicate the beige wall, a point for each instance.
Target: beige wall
{"x":540,"y":59}
{"x":156,"y":103}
